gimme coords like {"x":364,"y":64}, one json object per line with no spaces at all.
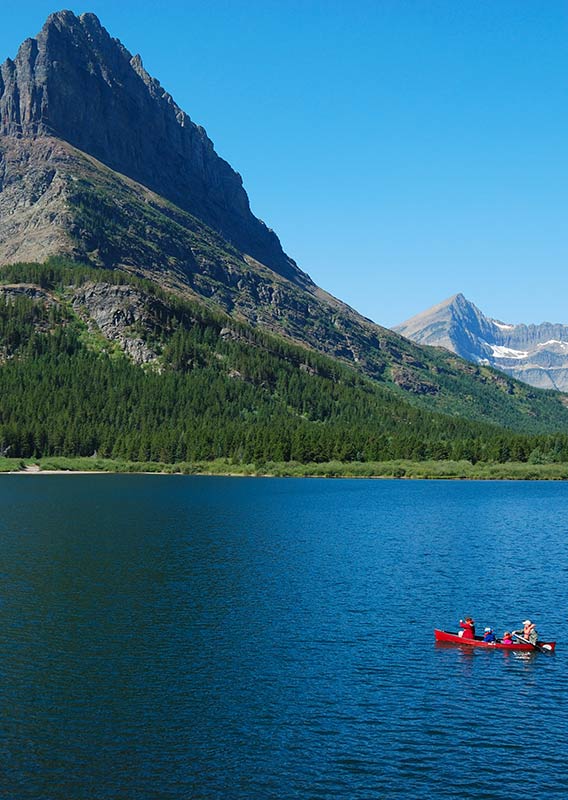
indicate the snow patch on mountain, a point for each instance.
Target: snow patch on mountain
{"x":507,"y":352}
{"x":560,"y":343}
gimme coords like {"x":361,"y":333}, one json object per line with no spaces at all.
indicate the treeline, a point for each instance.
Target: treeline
{"x":219,"y":392}
{"x":69,"y":401}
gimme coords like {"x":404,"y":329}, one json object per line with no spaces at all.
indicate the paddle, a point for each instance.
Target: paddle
{"x":541,"y":648}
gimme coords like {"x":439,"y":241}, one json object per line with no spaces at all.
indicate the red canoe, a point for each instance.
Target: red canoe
{"x":454,"y":638}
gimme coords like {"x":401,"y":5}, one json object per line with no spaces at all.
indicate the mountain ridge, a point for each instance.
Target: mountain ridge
{"x":536,"y":354}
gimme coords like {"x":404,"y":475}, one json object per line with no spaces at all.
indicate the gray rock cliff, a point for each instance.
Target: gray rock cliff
{"x":76,"y":83}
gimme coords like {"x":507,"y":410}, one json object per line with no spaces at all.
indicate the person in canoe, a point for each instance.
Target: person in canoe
{"x":528,"y":632}
{"x":468,"y":628}
{"x":507,"y":638}
{"x":488,"y":635}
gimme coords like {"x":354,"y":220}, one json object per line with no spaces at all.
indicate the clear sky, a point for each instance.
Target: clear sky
{"x":403,"y":150}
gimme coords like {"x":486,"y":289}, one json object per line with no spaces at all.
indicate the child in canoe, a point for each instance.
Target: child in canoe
{"x":507,"y":638}
{"x":468,"y":628}
{"x":488,"y":635}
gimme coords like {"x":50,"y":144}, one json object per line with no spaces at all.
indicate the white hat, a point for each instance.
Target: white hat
{"x":487,"y":629}
{"x":527,"y":622}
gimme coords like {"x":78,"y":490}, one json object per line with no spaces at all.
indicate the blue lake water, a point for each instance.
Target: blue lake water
{"x":191,"y":637}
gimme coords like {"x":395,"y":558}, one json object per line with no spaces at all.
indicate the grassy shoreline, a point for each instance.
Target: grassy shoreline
{"x":419,"y":470}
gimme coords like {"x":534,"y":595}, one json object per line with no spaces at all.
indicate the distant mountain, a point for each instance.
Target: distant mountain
{"x":99,"y":166}
{"x":535,"y":354}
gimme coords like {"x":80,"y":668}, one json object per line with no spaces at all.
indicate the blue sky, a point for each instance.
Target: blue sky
{"x":403,"y":150}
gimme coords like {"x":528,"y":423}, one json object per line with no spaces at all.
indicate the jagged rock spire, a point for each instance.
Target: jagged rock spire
{"x":75,"y":82}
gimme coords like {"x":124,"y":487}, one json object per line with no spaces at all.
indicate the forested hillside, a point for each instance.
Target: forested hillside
{"x":205,"y":386}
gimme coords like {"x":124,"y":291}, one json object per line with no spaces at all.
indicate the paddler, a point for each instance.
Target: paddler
{"x":528,"y":632}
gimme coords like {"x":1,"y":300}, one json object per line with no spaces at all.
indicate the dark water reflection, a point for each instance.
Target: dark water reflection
{"x":170,"y":637}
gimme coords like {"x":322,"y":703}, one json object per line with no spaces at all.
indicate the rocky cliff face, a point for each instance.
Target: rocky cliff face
{"x":35,"y":221}
{"x":535,"y":354}
{"x":76,"y":83}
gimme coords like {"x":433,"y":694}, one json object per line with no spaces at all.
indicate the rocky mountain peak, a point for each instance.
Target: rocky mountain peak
{"x":535,"y":354}
{"x":66,"y":20}
{"x":458,"y":305}
{"x":451,"y":324}
{"x":76,"y":83}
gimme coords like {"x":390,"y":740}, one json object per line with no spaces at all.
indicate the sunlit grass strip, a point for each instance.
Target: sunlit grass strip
{"x":444,"y":470}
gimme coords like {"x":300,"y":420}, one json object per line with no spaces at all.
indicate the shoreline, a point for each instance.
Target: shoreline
{"x":400,"y":470}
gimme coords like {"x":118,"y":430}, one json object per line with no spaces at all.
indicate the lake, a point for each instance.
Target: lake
{"x":192,"y":637}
